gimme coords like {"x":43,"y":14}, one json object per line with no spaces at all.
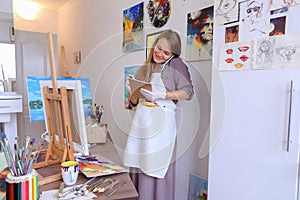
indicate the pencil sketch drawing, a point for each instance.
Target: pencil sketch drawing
{"x":265,"y":51}
{"x":286,"y":53}
{"x":255,"y":19}
{"x":225,"y":7}
{"x":254,"y":16}
{"x":279,"y":4}
{"x":277,"y":52}
{"x":226,"y":11}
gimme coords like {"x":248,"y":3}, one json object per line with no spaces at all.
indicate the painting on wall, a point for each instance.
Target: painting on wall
{"x":129,"y":72}
{"x":200,"y":34}
{"x":149,"y":42}
{"x":277,"y":26}
{"x":232,"y":33}
{"x":197,"y":188}
{"x":159,"y":12}
{"x":35,"y":98}
{"x":133,"y":26}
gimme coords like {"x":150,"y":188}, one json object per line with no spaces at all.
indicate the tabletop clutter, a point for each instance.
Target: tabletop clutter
{"x":95,"y":167}
{"x":22,"y":179}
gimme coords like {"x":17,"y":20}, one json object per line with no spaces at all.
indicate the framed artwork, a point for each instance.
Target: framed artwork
{"x":150,"y":40}
{"x":197,"y":188}
{"x":200,"y":34}
{"x":77,"y":118}
{"x":277,"y":26}
{"x":232,"y":33}
{"x":159,"y":12}
{"x":133,"y":25}
{"x":129,"y":71}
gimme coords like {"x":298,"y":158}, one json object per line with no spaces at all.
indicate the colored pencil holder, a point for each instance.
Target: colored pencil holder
{"x":22,"y":187}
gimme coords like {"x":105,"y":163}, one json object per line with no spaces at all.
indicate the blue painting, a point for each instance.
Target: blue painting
{"x":35,"y":97}
{"x":198,"y":188}
{"x":133,"y":25}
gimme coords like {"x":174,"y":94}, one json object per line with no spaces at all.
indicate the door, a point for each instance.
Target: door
{"x":32,"y":60}
{"x":251,"y":158}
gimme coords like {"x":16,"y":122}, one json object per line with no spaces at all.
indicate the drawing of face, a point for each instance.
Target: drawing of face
{"x":265,"y":46}
{"x":253,"y":10}
{"x":289,"y":51}
{"x":226,"y":6}
{"x":206,"y":31}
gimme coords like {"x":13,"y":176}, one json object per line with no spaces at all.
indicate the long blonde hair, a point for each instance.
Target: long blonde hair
{"x":145,"y":72}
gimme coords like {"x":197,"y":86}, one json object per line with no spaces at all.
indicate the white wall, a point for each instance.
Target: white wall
{"x":95,"y":28}
{"x":6,"y":6}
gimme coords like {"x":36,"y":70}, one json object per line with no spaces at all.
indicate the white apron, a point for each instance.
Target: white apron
{"x":152,"y":135}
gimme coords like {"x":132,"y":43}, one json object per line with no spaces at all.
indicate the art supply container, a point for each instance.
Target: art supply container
{"x":22,"y":187}
{"x":69,"y":172}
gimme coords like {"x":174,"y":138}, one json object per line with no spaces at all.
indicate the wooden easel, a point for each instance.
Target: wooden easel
{"x":65,"y":72}
{"x":57,"y":121}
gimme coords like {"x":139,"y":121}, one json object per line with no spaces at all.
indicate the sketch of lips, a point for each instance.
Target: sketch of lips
{"x":238,"y":65}
{"x":229,"y":51}
{"x":229,"y":60}
{"x":243,"y":48}
{"x":244,"y":58}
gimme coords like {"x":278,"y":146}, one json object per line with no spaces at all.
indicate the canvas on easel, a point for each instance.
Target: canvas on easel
{"x":77,"y":117}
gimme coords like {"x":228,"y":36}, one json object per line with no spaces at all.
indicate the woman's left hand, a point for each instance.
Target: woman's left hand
{"x":153,"y":95}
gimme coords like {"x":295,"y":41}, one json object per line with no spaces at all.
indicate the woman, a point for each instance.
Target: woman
{"x":151,"y":140}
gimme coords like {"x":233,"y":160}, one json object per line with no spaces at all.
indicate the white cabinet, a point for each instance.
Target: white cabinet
{"x":250,"y":159}
{"x":10,"y":105}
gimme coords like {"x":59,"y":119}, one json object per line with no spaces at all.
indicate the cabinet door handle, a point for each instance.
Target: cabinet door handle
{"x":290,"y":115}
{"x":4,"y":106}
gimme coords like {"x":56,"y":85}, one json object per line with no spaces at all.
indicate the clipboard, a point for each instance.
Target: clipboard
{"x":136,"y":85}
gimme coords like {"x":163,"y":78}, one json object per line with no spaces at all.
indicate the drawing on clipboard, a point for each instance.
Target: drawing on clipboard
{"x":136,"y":85}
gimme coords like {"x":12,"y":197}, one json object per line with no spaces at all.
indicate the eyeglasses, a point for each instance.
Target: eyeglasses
{"x":207,"y":24}
{"x":254,"y":9}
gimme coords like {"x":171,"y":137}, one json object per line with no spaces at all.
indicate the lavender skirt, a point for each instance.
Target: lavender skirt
{"x":151,"y":188}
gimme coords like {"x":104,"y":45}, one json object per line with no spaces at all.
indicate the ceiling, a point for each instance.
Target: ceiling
{"x":51,"y":4}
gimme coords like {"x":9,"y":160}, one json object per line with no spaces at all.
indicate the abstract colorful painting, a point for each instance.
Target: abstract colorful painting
{"x":200,"y":34}
{"x":133,"y":25}
{"x":159,"y":12}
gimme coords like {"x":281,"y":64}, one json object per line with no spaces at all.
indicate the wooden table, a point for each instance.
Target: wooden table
{"x":107,"y":150}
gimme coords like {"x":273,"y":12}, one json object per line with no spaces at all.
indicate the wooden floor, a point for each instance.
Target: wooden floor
{"x":107,"y":150}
